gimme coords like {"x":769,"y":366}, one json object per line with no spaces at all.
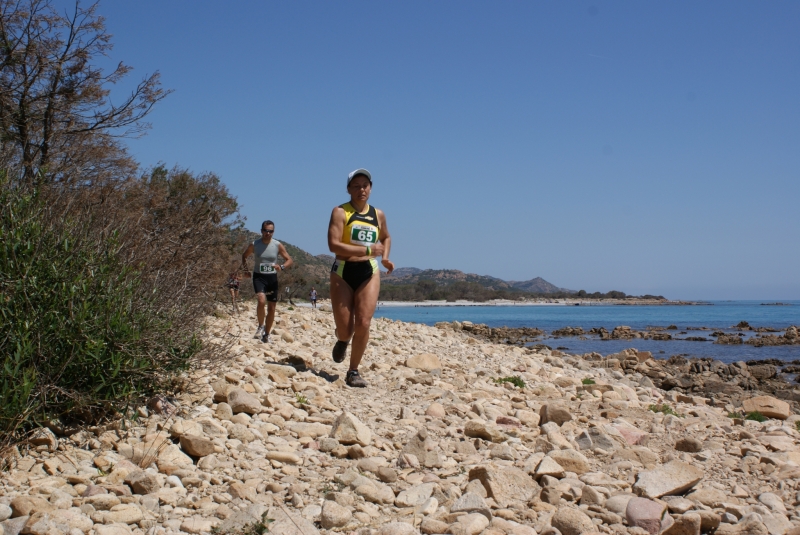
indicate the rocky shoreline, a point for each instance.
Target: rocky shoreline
{"x":455,"y":434}
{"x":703,"y":376}
{"x":523,"y":335}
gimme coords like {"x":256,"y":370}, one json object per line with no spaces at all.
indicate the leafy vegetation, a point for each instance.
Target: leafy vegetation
{"x":588,"y":381}
{"x":91,"y":319}
{"x":104,"y":270}
{"x":756,"y":416}
{"x":454,"y":285}
{"x":664,"y":409}
{"x":428,"y":290}
{"x":515,"y":380}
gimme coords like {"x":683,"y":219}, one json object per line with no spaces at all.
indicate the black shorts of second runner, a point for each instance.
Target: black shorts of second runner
{"x":266,"y":284}
{"x":355,"y":273}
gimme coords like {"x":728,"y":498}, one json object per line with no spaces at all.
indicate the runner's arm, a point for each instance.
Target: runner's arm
{"x":289,"y":262}
{"x":335,"y":245}
{"x":386,"y":239}
{"x":245,"y":255}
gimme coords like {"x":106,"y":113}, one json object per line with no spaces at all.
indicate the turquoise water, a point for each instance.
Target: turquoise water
{"x":719,"y":315}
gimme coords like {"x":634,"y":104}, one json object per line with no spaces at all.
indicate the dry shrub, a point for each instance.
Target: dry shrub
{"x":104,"y":291}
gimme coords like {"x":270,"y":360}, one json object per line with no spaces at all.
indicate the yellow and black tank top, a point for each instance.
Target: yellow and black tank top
{"x":360,"y":229}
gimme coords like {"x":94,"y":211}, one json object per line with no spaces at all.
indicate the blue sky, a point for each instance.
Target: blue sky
{"x":648,"y":147}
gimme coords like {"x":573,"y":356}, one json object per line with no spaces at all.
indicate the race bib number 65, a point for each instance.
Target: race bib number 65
{"x":363,"y":235}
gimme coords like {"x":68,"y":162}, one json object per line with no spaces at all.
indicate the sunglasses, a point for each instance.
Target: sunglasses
{"x":267,"y":231}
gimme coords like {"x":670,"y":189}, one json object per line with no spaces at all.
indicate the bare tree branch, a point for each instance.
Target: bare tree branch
{"x":56,"y":115}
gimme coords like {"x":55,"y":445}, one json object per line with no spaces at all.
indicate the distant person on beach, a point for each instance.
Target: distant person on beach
{"x":233,"y":287}
{"x":313,"y":296}
{"x":357,"y":235}
{"x":265,"y":275}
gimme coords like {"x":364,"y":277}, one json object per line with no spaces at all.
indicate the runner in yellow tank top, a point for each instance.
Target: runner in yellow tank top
{"x":357,"y":235}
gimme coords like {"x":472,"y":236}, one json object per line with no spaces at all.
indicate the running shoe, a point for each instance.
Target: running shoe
{"x":264,"y":338}
{"x":354,"y":380}
{"x":259,"y":332}
{"x":339,"y":349}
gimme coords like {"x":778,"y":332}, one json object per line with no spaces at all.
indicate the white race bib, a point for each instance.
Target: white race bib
{"x":365,"y":235}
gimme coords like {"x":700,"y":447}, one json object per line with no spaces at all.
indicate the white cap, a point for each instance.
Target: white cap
{"x":357,"y":172}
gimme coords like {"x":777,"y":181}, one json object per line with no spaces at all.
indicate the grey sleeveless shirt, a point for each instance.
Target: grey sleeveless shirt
{"x":266,"y":256}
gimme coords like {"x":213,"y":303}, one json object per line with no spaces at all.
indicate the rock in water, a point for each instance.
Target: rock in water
{"x":348,"y":429}
{"x":671,"y":478}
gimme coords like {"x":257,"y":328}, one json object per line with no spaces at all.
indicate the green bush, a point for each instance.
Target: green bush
{"x":81,"y":335}
{"x":664,"y":409}
{"x":755,"y":415}
{"x":587,"y":381}
{"x":515,"y":380}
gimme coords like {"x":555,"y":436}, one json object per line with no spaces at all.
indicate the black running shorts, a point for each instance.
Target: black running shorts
{"x":266,"y":284}
{"x":355,"y":273}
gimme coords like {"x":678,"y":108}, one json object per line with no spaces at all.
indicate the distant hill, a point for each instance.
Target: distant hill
{"x":539,"y":286}
{"x":414,"y":284}
{"x":405,"y":272}
{"x":411,"y":275}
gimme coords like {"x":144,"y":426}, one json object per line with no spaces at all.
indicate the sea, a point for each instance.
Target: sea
{"x":714,"y":315}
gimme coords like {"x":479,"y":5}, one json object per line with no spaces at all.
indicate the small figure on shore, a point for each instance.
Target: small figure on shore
{"x":313,"y":297}
{"x":233,"y":287}
{"x":357,"y":235}
{"x":265,"y":276}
